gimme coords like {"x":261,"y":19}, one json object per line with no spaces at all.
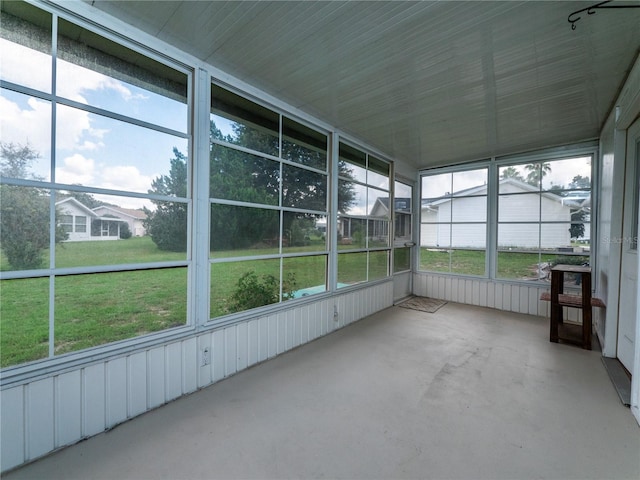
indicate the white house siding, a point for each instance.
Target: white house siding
{"x":136,"y":226}
{"x":453,"y":219}
{"x":69,"y":208}
{"x":61,"y":409}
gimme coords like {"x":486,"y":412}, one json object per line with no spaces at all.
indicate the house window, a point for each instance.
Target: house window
{"x":80,"y":224}
{"x":453,"y":222}
{"x":363,"y":217}
{"x":544,"y":216}
{"x":66,"y":223}
{"x":269,"y":206}
{"x":121,"y":123}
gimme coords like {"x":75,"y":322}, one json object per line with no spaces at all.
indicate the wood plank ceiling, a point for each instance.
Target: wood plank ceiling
{"x":429,"y":83}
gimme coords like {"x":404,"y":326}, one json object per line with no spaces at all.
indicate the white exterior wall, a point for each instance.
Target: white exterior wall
{"x":135,"y":225}
{"x":61,"y":409}
{"x":69,"y":208}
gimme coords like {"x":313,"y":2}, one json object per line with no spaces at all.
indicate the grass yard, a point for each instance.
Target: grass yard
{"x":511,"y":265}
{"x":100,"y":308}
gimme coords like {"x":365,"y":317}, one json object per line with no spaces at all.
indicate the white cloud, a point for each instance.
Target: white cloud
{"x":19,"y":65}
{"x":30,"y":125}
{"x":124,"y":177}
{"x":76,"y":169}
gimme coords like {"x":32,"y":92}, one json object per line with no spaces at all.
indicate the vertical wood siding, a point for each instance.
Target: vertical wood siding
{"x":50,"y":413}
{"x":487,"y":293}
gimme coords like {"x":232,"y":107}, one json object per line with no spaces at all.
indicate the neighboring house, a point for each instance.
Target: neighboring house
{"x":402,"y":209}
{"x":135,"y":218}
{"x":447,"y":221}
{"x":102,"y":223}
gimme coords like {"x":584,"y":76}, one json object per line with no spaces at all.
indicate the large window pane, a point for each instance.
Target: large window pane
{"x":239,"y":286}
{"x":25,"y":123}
{"x":309,"y":274}
{"x":466,"y":209}
{"x":240,"y":176}
{"x":24,"y":320}
{"x":352,"y":198}
{"x":303,"y":189}
{"x":435,"y":259}
{"x":242,"y":122}
{"x":468,"y":182}
{"x":24,"y":228}
{"x":301,"y":232}
{"x":569,"y":173}
{"x":25,"y":46}
{"x":378,"y":265}
{"x":468,"y":262}
{"x":352,"y":233}
{"x":354,"y":163}
{"x":352,"y":268}
{"x":378,"y":233}
{"x":303,"y":145}
{"x":401,"y":259}
{"x":436,"y":186}
{"x":99,"y":72}
{"x":101,"y":308}
{"x":97,"y":151}
{"x":518,"y":236}
{"x":244,"y":230}
{"x":519,"y":208}
{"x":378,"y":174}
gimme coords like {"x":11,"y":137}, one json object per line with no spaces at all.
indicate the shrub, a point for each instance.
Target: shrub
{"x":253,"y":291}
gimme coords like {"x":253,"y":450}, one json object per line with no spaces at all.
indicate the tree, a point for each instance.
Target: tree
{"x":167,"y":224}
{"x":537,"y":171}
{"x":239,"y":176}
{"x":24,"y":211}
{"x":511,"y":172}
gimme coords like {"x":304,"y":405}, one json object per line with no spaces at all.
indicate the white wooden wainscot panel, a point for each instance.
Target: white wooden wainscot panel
{"x":12,"y":435}
{"x":491,"y":294}
{"x":94,"y":399}
{"x":205,"y":371}
{"x":137,"y":387}
{"x":173,"y":369}
{"x":282,"y":333}
{"x":273,"y":335}
{"x":156,"y":376}
{"x":289,"y":322}
{"x":242,"y":346}
{"x":230,"y":349}
{"x":68,"y":388}
{"x":253,"y":343}
{"x":263,"y":332}
{"x":218,"y":355}
{"x":190,"y":365}
{"x":116,"y":391}
{"x":39,"y":418}
{"x":304,"y":324}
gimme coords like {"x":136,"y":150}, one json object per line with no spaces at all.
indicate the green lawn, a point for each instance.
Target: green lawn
{"x":511,"y":265}
{"x":100,"y":308}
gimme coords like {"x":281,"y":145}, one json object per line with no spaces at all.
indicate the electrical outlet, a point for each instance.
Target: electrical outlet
{"x":335,"y":312}
{"x":206,"y":358}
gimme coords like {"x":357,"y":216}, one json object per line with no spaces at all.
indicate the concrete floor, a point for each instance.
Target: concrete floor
{"x":466,"y":393}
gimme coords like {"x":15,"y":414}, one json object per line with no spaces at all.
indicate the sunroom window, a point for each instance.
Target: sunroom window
{"x":269,"y":206}
{"x":121,"y":141}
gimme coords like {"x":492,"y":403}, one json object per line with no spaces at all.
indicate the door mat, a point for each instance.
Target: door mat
{"x":424,"y":304}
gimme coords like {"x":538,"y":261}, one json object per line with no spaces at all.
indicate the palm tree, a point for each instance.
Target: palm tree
{"x":537,"y":171}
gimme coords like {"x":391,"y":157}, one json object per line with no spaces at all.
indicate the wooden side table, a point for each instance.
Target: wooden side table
{"x":558,"y":329}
